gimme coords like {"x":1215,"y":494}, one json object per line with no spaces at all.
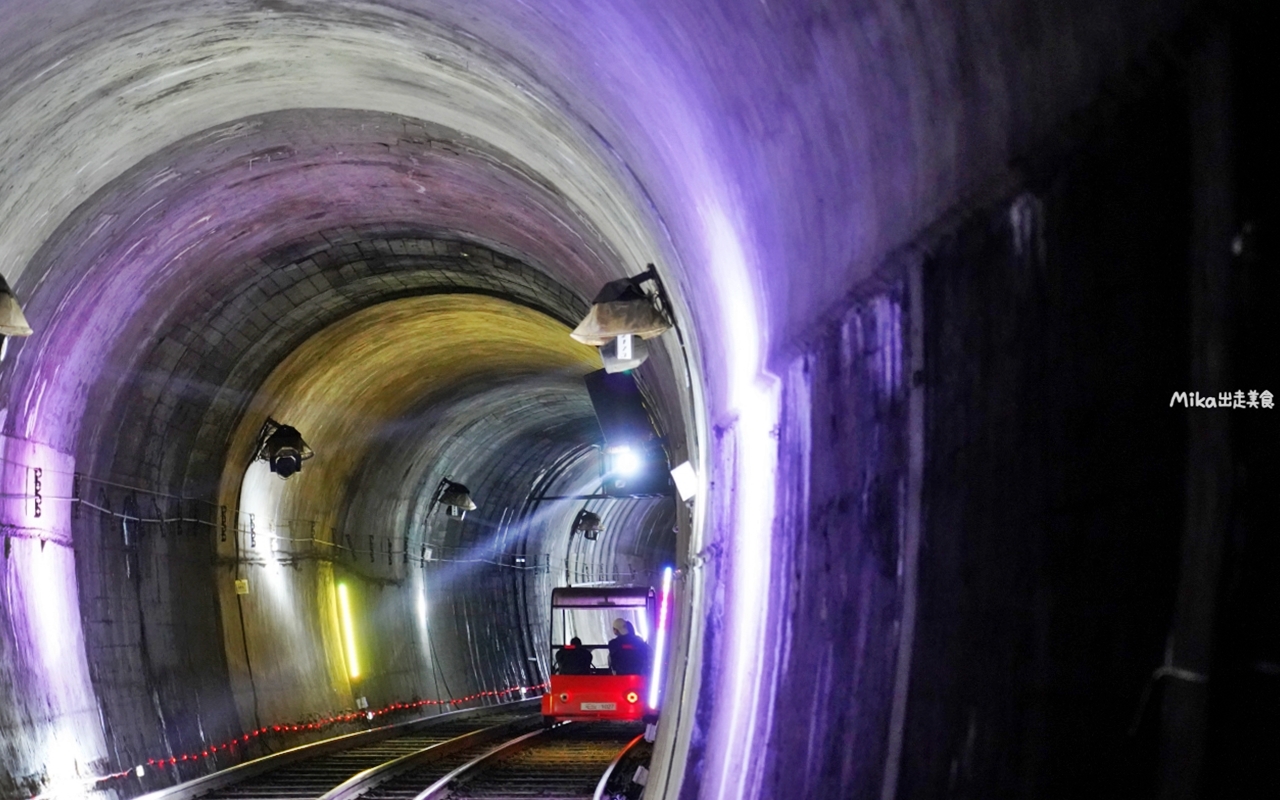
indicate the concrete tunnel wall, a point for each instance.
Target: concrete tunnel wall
{"x":192,"y":195}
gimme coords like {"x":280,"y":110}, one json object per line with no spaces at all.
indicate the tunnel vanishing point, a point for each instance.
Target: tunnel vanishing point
{"x":950,"y":284}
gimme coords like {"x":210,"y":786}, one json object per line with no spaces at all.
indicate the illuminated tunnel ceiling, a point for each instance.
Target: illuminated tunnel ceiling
{"x":302,"y":237}
{"x":352,"y":387}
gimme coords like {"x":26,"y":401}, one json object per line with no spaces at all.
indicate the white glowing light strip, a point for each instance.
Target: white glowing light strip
{"x":655,"y":680}
{"x":344,"y":605}
{"x":753,"y":397}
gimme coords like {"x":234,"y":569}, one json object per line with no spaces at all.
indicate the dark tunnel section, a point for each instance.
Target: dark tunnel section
{"x":1031,"y":350}
{"x":1052,"y":530}
{"x":495,"y":440}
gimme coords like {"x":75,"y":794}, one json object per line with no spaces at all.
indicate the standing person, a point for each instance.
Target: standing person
{"x":573,"y":658}
{"x":628,"y":653}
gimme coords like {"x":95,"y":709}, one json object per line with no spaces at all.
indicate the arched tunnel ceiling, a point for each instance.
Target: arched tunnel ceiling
{"x":222,"y":62}
{"x":256,"y":239}
{"x":350,"y":390}
{"x":222,"y":232}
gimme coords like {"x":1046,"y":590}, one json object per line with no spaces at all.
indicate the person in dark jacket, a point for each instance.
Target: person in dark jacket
{"x":573,"y":658}
{"x":628,"y":653}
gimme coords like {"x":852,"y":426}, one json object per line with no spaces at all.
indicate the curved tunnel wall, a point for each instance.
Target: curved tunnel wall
{"x":190,"y":194}
{"x":370,"y":208}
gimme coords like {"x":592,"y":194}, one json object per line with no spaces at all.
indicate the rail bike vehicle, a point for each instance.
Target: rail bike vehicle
{"x":594,"y":683}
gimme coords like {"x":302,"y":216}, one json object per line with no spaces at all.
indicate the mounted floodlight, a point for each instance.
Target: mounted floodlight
{"x":282,"y":447}
{"x":455,"y":498}
{"x":634,"y":470}
{"x":633,"y":460}
{"x":12,"y":321}
{"x":621,"y":315}
{"x":588,"y":524}
{"x":622,"y":460}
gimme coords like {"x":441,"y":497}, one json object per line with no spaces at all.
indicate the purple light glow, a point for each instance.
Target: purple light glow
{"x":40,"y":594}
{"x":660,"y":650}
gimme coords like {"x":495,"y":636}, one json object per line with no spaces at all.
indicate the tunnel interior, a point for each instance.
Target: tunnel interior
{"x":932,"y":271}
{"x":401,"y":295}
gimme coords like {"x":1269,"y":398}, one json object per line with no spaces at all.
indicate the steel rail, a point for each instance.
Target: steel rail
{"x":437,"y":790}
{"x":372,"y":778}
{"x":563,"y":761}
{"x":613,"y":765}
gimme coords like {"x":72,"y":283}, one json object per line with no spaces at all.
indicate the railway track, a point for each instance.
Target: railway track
{"x":492,"y":754}
{"x":315,"y":770}
{"x":569,"y":762}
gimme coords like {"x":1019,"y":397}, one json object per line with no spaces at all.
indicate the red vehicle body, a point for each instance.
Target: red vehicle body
{"x":599,"y":695}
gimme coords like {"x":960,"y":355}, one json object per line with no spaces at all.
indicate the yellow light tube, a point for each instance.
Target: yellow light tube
{"x":344,"y":604}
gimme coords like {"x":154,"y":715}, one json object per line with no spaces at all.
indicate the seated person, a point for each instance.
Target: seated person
{"x":573,"y":658}
{"x":628,"y":653}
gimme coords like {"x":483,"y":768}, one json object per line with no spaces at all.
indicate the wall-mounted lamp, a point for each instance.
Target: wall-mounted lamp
{"x":588,"y":524}
{"x":623,"y":460}
{"x":634,"y":470}
{"x":622,"y":315}
{"x":12,"y":321}
{"x":455,"y":498}
{"x":282,"y":447}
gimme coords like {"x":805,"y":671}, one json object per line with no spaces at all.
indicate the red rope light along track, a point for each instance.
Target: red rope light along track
{"x":232,"y":745}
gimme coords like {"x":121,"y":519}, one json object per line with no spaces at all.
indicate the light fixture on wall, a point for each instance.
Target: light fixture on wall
{"x":635,"y":469}
{"x":282,"y":447}
{"x":455,"y":498}
{"x":622,"y":460}
{"x":622,"y":315}
{"x":12,"y":321}
{"x":633,"y":459}
{"x":588,"y":524}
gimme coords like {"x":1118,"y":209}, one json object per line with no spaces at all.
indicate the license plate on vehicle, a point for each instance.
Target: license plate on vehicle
{"x":599,"y":706}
